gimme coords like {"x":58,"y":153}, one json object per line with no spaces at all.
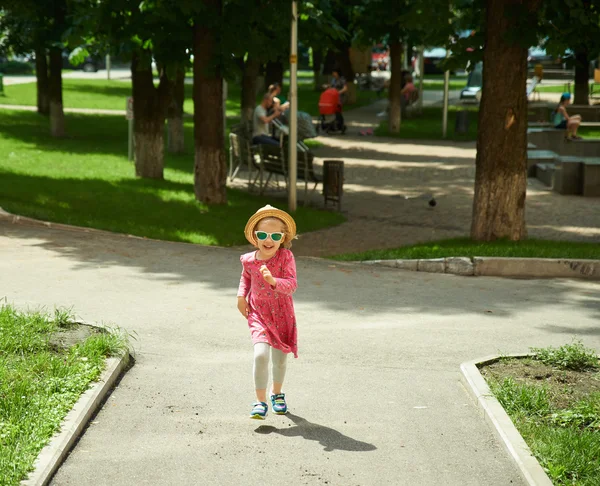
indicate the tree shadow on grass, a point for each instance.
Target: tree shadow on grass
{"x":329,"y":438}
{"x":165,"y":210}
{"x":118,"y":89}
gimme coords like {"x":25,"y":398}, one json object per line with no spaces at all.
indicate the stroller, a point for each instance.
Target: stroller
{"x":330,"y":109}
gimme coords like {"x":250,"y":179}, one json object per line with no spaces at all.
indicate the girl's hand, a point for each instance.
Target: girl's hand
{"x":243,"y":306}
{"x":267,"y":276}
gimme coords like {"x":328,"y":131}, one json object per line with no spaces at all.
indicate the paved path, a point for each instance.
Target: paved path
{"x":375,"y":395}
{"x":387,"y":187}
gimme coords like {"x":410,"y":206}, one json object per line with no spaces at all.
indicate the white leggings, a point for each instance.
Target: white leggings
{"x":261,"y":365}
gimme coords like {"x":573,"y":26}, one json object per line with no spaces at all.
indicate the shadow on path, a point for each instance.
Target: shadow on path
{"x":329,"y":438}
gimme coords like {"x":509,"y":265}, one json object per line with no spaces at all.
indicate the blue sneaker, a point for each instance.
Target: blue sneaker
{"x":259,"y":410}
{"x":278,"y":403}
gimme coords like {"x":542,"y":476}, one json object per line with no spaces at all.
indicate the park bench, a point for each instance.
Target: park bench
{"x":269,"y":160}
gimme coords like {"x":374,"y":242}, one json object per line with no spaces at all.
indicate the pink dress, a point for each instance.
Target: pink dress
{"x":271,"y":318}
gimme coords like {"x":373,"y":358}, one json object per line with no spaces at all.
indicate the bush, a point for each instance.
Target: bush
{"x":16,"y":67}
{"x":573,"y":357}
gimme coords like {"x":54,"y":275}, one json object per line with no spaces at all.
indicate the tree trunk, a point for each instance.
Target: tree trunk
{"x":176,"y":140}
{"x":57,"y":115}
{"x":395,"y":112}
{"x":582,"y":77}
{"x":41,"y":74}
{"x":148,"y":117}
{"x":249,"y":87}
{"x":329,"y":62}
{"x":274,"y":72}
{"x":317,"y":58}
{"x":344,"y":63}
{"x":501,"y":163}
{"x":210,"y":170}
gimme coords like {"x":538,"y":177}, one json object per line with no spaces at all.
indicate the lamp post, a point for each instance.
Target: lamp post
{"x":293,"y":137}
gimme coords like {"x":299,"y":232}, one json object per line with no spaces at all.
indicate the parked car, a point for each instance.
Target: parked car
{"x":90,"y":64}
{"x":432,"y":58}
{"x":380,"y":57}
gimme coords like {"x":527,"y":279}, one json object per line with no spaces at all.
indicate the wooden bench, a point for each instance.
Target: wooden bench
{"x":274,"y":160}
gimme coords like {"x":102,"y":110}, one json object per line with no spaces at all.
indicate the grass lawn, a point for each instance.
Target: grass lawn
{"x":86,"y":180}
{"x":112,"y":95}
{"x":589,"y":132}
{"x":41,"y":380}
{"x":467,"y":248}
{"x":439,"y":85}
{"x":554,"y":401}
{"x":556,"y":88}
{"x":428,"y":125}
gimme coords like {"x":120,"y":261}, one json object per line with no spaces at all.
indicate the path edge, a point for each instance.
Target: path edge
{"x":495,"y":415}
{"x":73,"y":425}
{"x":500,"y":267}
{"x":462,"y":266}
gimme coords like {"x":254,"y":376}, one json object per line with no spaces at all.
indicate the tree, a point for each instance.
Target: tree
{"x":265,"y":29}
{"x":210,"y":171}
{"x":427,"y":21}
{"x":176,"y":138}
{"x":140,"y":32}
{"x":576,"y":27}
{"x":501,"y":163}
{"x":28,"y":26}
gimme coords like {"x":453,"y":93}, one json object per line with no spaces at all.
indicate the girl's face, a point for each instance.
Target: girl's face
{"x":267,"y":248}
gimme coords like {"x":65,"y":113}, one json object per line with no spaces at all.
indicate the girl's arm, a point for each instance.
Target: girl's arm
{"x":287,"y":283}
{"x":563,"y":110}
{"x":244,"y":287}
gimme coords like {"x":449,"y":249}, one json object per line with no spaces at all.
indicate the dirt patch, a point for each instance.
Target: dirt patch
{"x":565,"y":387}
{"x":74,"y":334}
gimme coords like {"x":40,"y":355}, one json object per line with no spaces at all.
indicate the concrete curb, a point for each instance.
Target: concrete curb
{"x":55,"y":452}
{"x":500,"y":267}
{"x":464,"y":266}
{"x":505,"y":431}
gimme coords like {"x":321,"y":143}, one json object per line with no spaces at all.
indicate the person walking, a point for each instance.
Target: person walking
{"x":264,"y":296}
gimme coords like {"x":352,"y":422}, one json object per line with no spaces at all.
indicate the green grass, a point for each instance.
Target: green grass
{"x":86,"y":180}
{"x":428,"y":125}
{"x":557,"y":88}
{"x":564,"y":438}
{"x":439,"y":85}
{"x":589,"y":132}
{"x":467,"y":248}
{"x":40,"y":383}
{"x":112,"y":95}
{"x":572,"y":356}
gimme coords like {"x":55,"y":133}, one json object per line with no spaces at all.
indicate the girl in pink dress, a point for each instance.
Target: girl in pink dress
{"x":265,"y":299}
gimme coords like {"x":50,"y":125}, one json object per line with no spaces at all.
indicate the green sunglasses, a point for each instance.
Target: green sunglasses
{"x":263,"y":235}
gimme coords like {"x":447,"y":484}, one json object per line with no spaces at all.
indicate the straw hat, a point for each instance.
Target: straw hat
{"x":270,"y":212}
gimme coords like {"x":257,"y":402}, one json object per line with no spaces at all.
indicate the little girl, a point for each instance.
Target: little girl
{"x":265,"y":299}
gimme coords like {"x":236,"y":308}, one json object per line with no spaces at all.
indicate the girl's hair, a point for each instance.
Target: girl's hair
{"x":287,"y":239}
{"x":565,"y":97}
{"x":273,"y":87}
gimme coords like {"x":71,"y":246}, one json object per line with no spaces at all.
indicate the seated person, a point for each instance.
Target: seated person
{"x":278,"y":100}
{"x":261,"y":121}
{"x":562,"y":120}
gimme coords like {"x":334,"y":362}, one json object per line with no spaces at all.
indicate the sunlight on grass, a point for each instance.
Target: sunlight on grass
{"x":113,"y":94}
{"x":468,"y":248}
{"x":86,"y":180}
{"x":40,"y":381}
